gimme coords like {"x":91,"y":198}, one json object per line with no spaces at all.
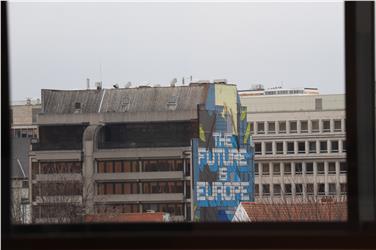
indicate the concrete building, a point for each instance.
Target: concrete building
{"x":138,"y":150}
{"x":23,"y":118}
{"x":23,"y":127}
{"x":300,"y":147}
{"x":20,"y":202}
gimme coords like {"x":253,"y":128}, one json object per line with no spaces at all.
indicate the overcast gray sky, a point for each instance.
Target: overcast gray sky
{"x":59,"y":45}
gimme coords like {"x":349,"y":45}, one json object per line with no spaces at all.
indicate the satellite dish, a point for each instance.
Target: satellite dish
{"x":116,"y":86}
{"x":128,"y":85}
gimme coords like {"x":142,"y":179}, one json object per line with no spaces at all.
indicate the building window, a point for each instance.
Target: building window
{"x":321,"y":189}
{"x":293,"y":126}
{"x":271,"y":127}
{"x":288,"y":189}
{"x":309,"y":168}
{"x":337,"y":125}
{"x":109,"y":167}
{"x":332,"y":168}
{"x":100,"y":167}
{"x":298,"y":168}
{"x":343,"y":188}
{"x":342,"y":167}
{"x":277,"y":189}
{"x":268,"y":148}
{"x":258,"y":148}
{"x":344,"y":146}
{"x":312,"y":147}
{"x":290,"y":148}
{"x":301,"y":147}
{"x":256,"y":169}
{"x":298,"y":189}
{"x":332,"y":189}
{"x":260,"y":128}
{"x":310,"y":189}
{"x":334,"y":146}
{"x":265,"y":169}
{"x":257,"y":190}
{"x":265,"y":189}
{"x":318,"y":104}
{"x":326,"y":126}
{"x":252,"y":128}
{"x":315,"y":126}
{"x":287,"y":168}
{"x":118,"y":166}
{"x":276,"y":169}
{"x":282,"y":127}
{"x":323,"y":147}
{"x":303,"y":126}
{"x":320,"y":168}
{"x":279,"y":147}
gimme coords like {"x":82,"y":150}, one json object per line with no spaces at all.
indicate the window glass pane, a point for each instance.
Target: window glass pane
{"x":268,"y":148}
{"x":298,"y":168}
{"x":326,"y":126}
{"x":279,"y":147}
{"x":293,"y":126}
{"x":287,"y":168}
{"x":303,"y":126}
{"x":315,"y":126}
{"x":276,"y":169}
{"x":265,"y":169}
{"x":331,"y":168}
{"x":320,"y":168}
{"x":282,"y":127}
{"x":260,"y":128}
{"x":309,"y":168}
{"x":271,"y":127}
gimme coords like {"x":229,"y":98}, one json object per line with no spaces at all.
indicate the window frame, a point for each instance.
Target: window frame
{"x":357,"y":232}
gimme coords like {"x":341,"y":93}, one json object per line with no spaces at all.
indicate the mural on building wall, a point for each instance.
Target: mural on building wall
{"x":222,"y":156}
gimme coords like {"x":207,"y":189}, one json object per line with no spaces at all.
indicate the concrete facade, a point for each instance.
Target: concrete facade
{"x":300,"y":152}
{"x":111,"y":151}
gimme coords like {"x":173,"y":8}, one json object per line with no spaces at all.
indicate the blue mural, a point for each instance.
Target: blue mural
{"x":222,"y":159}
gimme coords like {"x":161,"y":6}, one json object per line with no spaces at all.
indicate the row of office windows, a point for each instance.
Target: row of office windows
{"x":63,"y":188}
{"x":300,"y":189}
{"x":127,"y":166}
{"x":24,"y":132}
{"x":149,"y":187}
{"x":300,"y":168}
{"x":299,"y":147}
{"x":294,"y":127}
{"x":56,"y":167}
{"x":171,"y":208}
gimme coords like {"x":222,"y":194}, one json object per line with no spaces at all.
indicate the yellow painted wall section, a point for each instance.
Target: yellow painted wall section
{"x":226,"y":96}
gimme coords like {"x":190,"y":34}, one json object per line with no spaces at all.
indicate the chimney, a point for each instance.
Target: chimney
{"x":87,"y":83}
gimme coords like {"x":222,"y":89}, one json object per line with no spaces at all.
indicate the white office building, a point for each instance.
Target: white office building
{"x":299,"y":139}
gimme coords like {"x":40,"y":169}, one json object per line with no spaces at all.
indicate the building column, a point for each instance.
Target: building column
{"x":88,"y":167}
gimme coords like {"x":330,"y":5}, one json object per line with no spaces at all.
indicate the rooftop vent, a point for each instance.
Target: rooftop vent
{"x":223,"y":81}
{"x":77,"y":107}
{"x":98,"y":85}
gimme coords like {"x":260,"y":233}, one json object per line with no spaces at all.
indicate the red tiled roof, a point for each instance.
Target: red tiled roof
{"x":126,"y":217}
{"x":266,"y":212}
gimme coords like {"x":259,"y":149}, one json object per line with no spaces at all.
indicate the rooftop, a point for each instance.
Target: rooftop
{"x":310,"y":211}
